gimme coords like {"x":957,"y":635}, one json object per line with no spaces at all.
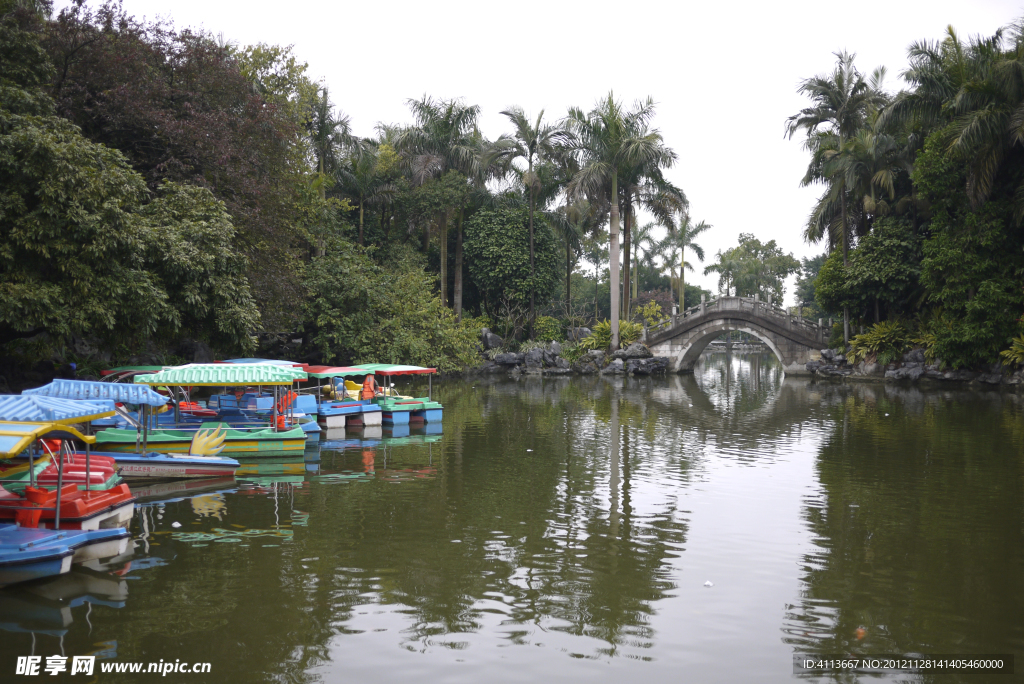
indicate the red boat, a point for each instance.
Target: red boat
{"x":79,"y":510}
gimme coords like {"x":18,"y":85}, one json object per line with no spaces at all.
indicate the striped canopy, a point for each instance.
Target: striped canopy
{"x":21,"y":408}
{"x":223,"y":374}
{"x":89,"y":391}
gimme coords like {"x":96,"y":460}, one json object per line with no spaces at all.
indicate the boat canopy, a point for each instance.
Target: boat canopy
{"x":88,"y":391}
{"x":272,"y":362}
{"x":21,"y":408}
{"x":131,"y":369}
{"x":223,"y":374}
{"x":335,"y":371}
{"x":16,"y":437}
{"x":395,"y":369}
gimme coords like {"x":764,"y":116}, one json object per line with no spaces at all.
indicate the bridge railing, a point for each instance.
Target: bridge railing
{"x":769,"y":310}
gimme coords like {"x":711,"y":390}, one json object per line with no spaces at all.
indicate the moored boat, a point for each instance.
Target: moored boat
{"x":27,"y":554}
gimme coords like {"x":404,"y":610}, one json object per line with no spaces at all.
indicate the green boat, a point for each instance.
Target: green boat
{"x":178,"y":441}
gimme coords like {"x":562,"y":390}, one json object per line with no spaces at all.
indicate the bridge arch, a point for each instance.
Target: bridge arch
{"x":683,"y":338}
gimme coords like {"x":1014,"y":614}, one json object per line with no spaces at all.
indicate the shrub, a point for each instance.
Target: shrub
{"x":573,"y":351}
{"x":651,"y":313}
{"x":601,"y":335}
{"x":885,"y":342}
{"x":1014,"y":356}
{"x":548,"y":329}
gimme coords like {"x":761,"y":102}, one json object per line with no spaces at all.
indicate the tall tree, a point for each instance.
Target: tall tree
{"x":533,"y":142}
{"x":357,"y":177}
{"x":608,"y":139}
{"x":445,"y":138}
{"x":840,"y":103}
{"x":572,"y":223}
{"x":680,"y":236}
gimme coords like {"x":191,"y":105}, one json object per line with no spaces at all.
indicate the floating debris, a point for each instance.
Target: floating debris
{"x":219,"y":534}
{"x":709,"y":583}
{"x":175,"y":524}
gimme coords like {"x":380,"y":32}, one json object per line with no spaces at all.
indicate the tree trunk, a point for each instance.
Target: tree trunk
{"x":531,"y":271}
{"x":846,"y":310}
{"x":458,"y":269}
{"x":627,"y":211}
{"x":443,"y":223}
{"x":568,"y":280}
{"x":614,"y":258}
{"x":360,"y":220}
{"x":682,"y":279}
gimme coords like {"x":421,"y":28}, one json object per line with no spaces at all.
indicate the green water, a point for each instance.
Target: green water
{"x":565,"y":530}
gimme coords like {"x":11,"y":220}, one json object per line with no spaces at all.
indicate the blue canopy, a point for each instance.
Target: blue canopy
{"x":22,"y":409}
{"x":84,"y":390}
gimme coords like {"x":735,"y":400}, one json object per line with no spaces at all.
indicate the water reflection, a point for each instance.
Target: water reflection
{"x":565,"y":529}
{"x":918,"y":525}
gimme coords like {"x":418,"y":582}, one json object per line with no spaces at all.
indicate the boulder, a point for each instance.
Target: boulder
{"x":577,"y":334}
{"x":991,"y":378}
{"x":562,"y":363}
{"x":616,"y":366}
{"x":650,"y":366}
{"x":585,"y":367}
{"x":549,"y":358}
{"x":595,"y":356}
{"x":633,"y":351}
{"x":490,"y":340}
{"x":507,"y":359}
{"x":914,"y":356}
{"x":812,"y":366}
{"x":828,"y":355}
{"x":556,"y":348}
{"x":534,"y":358}
{"x":864,"y":368}
{"x":490,"y":367}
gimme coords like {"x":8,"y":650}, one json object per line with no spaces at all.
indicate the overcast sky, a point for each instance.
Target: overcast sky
{"x":724,"y":74}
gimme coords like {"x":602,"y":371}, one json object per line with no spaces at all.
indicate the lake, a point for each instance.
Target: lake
{"x":695,"y":528}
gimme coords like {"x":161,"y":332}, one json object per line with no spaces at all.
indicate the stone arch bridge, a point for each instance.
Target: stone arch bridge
{"x":683,"y":337}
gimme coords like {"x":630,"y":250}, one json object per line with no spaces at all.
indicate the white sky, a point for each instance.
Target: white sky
{"x":724,"y":74}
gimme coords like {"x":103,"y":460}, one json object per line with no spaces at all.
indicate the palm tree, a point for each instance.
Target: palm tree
{"x":978,"y":89}
{"x":444,"y":138}
{"x":533,"y":142}
{"x":643,"y":241}
{"x":357,"y":178}
{"x":645,"y":187}
{"x":728,"y":267}
{"x":840,"y":104}
{"x":607,"y":140}
{"x":328,"y":131}
{"x":679,"y":238}
{"x":572,"y":223}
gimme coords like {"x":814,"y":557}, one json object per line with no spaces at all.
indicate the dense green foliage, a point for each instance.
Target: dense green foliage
{"x":928,"y":189}
{"x":81,"y":253}
{"x":498,"y":258}
{"x":360,"y":311}
{"x":753,"y":268}
{"x":885,"y":342}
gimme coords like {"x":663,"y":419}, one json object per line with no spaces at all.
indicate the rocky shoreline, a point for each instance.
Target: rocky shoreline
{"x":636,"y":359}
{"x":913,"y":368}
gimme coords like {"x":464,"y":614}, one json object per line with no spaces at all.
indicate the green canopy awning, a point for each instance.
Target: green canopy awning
{"x":223,"y":374}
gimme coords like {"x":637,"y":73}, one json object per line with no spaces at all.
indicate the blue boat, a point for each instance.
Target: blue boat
{"x":28,"y":554}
